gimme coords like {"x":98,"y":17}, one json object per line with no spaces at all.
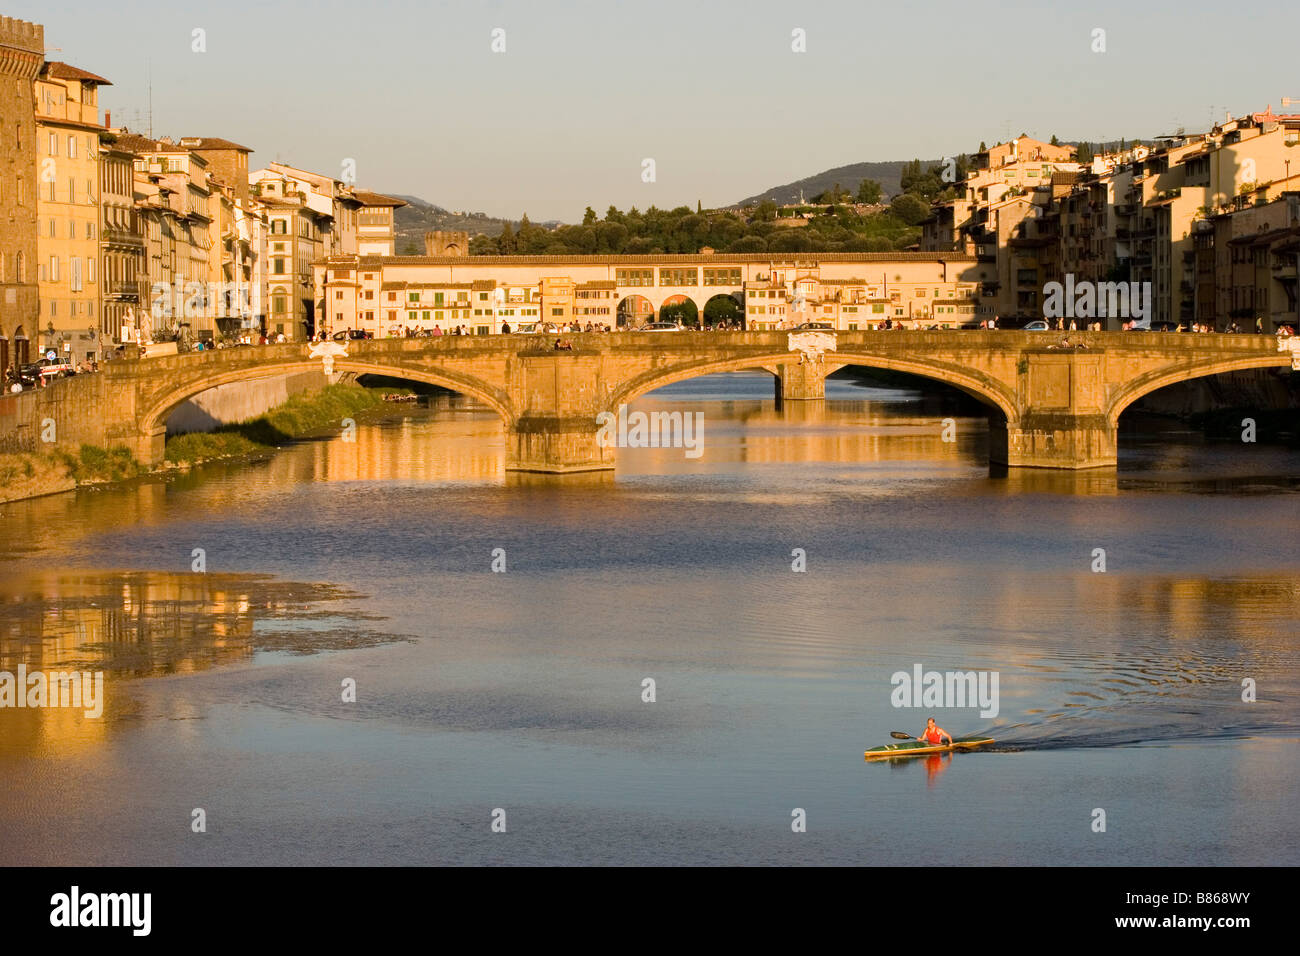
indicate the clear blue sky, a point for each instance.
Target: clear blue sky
{"x":709,"y":89}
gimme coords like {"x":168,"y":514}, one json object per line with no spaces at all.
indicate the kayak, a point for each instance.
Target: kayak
{"x":919,"y":748}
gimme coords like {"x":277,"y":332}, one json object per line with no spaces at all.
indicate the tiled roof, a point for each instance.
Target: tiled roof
{"x":65,"y":71}
{"x":781,"y":260}
{"x":211,"y":142}
{"x":378,"y":199}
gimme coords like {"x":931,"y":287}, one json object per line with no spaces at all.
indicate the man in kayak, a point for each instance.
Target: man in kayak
{"x":934,"y":734}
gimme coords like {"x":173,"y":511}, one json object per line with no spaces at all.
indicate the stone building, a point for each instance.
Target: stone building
{"x":67,"y":208}
{"x":22,"y":53}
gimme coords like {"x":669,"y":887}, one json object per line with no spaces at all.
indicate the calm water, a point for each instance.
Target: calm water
{"x":523,"y":690}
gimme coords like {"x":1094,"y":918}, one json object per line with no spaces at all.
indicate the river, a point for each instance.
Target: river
{"x":519,"y":696}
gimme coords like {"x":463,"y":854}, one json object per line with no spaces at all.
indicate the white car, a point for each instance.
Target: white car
{"x":1038,"y":325}
{"x":661,"y":327}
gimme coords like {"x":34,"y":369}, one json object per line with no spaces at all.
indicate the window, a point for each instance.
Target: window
{"x":54,"y":268}
{"x":482,"y":296}
{"x":722,"y":277}
{"x":338,"y":294}
{"x":679,"y":277}
{"x":557,"y":312}
{"x":90,"y":270}
{"x":636,"y":277}
{"x":437,"y":298}
{"x":278,"y":267}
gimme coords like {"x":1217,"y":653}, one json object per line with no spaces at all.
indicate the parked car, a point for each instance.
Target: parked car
{"x":349,"y":334}
{"x":526,"y":328}
{"x":55,"y":368}
{"x":814,"y":327}
{"x":1038,"y":325}
{"x":661,"y":327}
{"x":28,"y":376}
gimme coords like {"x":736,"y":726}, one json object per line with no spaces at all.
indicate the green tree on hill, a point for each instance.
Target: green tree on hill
{"x":910,"y":208}
{"x":869,"y":191}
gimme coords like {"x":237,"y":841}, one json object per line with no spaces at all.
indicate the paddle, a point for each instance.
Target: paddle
{"x":899,"y":735}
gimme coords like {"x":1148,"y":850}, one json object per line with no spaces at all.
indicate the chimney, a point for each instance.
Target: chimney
{"x":108,"y":119}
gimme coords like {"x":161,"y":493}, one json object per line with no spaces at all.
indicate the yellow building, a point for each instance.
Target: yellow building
{"x":67,"y":209}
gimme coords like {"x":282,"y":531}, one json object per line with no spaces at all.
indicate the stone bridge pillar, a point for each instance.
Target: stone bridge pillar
{"x":558,"y":397}
{"x":1062,"y":421}
{"x":804,"y":382}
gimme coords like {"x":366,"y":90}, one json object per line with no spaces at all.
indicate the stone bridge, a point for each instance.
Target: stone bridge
{"x":1050,"y":407}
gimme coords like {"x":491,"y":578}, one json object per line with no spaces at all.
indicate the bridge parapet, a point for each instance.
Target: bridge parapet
{"x":1053,"y":405}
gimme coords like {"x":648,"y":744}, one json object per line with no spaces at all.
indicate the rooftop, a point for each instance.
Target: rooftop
{"x":66,"y":71}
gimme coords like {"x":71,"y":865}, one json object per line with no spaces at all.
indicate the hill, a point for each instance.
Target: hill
{"x":414,"y":220}
{"x":887,"y":174}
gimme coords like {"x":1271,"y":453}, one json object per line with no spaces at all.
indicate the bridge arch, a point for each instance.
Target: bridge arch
{"x":724,"y":305}
{"x":982,"y":388}
{"x":633,"y":309}
{"x":160,"y":406}
{"x":1159,"y":378}
{"x":680,"y":306}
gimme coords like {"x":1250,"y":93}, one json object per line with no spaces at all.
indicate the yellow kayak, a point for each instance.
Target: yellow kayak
{"x":919,"y":748}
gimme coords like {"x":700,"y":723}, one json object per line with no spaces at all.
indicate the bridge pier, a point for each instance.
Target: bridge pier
{"x":554,"y":445}
{"x":1054,"y":440}
{"x":560,"y":395}
{"x":796,"y":382}
{"x":1063,"y":421}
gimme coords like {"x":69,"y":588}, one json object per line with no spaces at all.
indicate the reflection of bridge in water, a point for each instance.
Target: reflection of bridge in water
{"x":1049,"y":407}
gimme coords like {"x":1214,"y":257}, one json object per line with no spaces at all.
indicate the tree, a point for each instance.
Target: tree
{"x":766,"y":211}
{"x":749,"y":243}
{"x":589,"y":216}
{"x":506,"y":241}
{"x":683,"y":313}
{"x":1054,"y":141}
{"x":721,"y":308}
{"x":1083,"y":154}
{"x":910,"y":208}
{"x":983,"y":147}
{"x":869,"y":191}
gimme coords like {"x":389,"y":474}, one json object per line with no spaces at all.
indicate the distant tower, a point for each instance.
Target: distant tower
{"x":446,"y":243}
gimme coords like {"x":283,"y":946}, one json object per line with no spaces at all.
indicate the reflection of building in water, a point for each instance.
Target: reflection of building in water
{"x":821,"y":431}
{"x":136,"y":625}
{"x":458,"y":444}
{"x":126,"y":626}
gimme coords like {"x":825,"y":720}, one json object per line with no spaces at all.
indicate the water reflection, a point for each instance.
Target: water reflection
{"x":151,"y":624}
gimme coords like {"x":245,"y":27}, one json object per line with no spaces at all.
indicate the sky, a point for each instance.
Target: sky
{"x":712,"y":91}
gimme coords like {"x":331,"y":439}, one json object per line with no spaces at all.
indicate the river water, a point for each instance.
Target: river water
{"x":519,"y":695}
